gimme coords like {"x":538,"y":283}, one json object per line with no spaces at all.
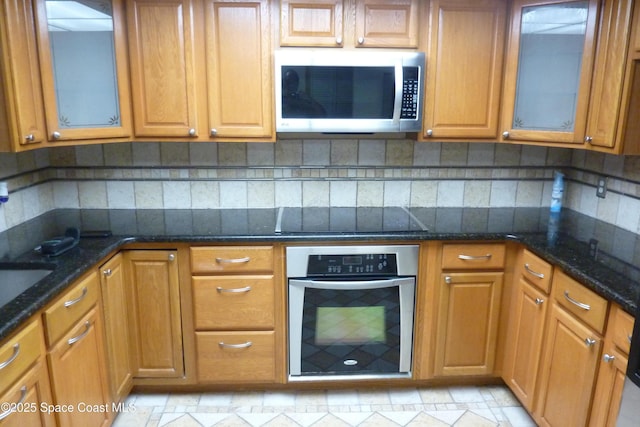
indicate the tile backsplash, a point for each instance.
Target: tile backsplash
{"x":340,"y":172}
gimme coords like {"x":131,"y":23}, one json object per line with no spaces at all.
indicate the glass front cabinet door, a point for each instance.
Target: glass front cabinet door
{"x":548,"y":70}
{"x":82,"y":60}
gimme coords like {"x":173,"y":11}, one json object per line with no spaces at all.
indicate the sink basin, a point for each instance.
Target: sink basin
{"x":14,"y":281}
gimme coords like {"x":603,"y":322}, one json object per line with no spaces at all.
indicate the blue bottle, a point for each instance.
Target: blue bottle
{"x":557,"y":191}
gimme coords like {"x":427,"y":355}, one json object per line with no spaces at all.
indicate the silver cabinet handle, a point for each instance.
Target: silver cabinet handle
{"x":56,"y":135}
{"x":429,"y":132}
{"x":629,"y":338}
{"x":474,"y":257}
{"x":77,"y":300}
{"x":588,"y":139}
{"x":447,"y":280}
{"x":505,"y":135}
{"x":360,"y":40}
{"x":539,"y":301}
{"x":532,"y":272}
{"x":107,"y":273}
{"x":233,"y":290}
{"x":233,"y":260}
{"x":171,"y":257}
{"x":244,"y":345}
{"x":192,"y":132}
{"x":589,"y":342}
{"x":608,"y":358}
{"x":576,"y":303}
{"x":338,"y":40}
{"x":77,"y":338}
{"x":30,"y":138}
{"x":23,"y":396}
{"x":213,"y":132}
{"x":16,"y":351}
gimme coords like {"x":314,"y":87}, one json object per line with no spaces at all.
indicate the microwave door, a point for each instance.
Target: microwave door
{"x":397,"y":105}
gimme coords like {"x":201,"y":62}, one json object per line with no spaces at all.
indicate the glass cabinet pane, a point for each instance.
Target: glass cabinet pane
{"x":81,"y":40}
{"x":551,"y":49}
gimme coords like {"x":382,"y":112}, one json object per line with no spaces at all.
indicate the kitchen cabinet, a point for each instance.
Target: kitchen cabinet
{"x":234,"y":293}
{"x":24,"y":378}
{"x":113,"y":286}
{"x":239,"y":71}
{"x":383,"y":23}
{"x":79,"y":373}
{"x":351,"y":23}
{"x":464,"y":69}
{"x":22,"y":122}
{"x":612,"y":369}
{"x":526,"y":326}
{"x":571,"y":352}
{"x":548,"y":71}
{"x":153,"y":302}
{"x":318,"y":23}
{"x":162,"y":55}
{"x":84,"y":69}
{"x":469,"y":299}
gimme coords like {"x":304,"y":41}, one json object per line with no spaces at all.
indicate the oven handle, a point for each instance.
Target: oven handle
{"x":349,"y":285}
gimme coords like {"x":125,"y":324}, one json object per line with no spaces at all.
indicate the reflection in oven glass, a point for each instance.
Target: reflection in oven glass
{"x":350,"y":325}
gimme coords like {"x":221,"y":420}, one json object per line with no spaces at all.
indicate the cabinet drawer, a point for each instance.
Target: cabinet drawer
{"x":233,"y":302}
{"x":622,"y":324}
{"x":18,"y":353}
{"x":70,"y":307}
{"x":236,"y":357}
{"x":536,"y":271}
{"x":232,"y":259}
{"x":473,"y":256}
{"x":582,"y":302}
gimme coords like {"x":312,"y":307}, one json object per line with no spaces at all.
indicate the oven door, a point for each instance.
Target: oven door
{"x":347,"y":327}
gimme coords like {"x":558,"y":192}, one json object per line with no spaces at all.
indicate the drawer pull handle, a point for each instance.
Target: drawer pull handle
{"x":77,"y":300}
{"x":233,"y":290}
{"x":582,"y":305}
{"x":589,"y":342}
{"x":23,"y":396}
{"x":608,"y":358}
{"x":533,"y":273}
{"x":233,"y":260}
{"x":539,"y":301}
{"x":474,"y":257}
{"x":243,"y":345}
{"x":75,"y":339}
{"x":16,"y":351}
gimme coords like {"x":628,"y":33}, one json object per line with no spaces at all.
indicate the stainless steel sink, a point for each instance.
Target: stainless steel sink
{"x":15,"y":280}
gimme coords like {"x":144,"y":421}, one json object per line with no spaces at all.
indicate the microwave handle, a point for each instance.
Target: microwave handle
{"x":397,"y":105}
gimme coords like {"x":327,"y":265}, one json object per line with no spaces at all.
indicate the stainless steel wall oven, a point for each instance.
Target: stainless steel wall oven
{"x":351,"y":311}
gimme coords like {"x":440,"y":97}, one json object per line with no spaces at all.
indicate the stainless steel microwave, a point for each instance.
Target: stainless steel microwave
{"x":329,"y":91}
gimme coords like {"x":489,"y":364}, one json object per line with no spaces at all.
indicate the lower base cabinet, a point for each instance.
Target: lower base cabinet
{"x":225,"y":357}
{"x":31,"y":391}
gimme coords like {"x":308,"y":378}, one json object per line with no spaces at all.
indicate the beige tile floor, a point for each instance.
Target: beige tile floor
{"x":452,"y":406}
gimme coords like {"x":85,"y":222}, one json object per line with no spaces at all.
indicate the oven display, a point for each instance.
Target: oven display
{"x":352,"y":265}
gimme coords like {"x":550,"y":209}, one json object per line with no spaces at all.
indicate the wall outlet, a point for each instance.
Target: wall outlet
{"x":601,"y":187}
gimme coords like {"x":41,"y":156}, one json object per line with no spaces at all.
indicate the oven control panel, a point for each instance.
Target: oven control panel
{"x":352,"y":265}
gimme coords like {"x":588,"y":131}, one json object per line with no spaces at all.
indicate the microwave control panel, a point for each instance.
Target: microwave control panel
{"x":352,"y":265}
{"x":410,"y":89}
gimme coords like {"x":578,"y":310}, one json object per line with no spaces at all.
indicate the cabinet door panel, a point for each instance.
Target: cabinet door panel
{"x":464,"y":76}
{"x":162,"y":55}
{"x":468,"y":316}
{"x":608,"y":392}
{"x":31,"y":390}
{"x":384,"y":23}
{"x":317,"y":23}
{"x":239,"y":69}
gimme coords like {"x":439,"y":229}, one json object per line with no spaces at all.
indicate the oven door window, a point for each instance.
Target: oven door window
{"x":350,"y":331}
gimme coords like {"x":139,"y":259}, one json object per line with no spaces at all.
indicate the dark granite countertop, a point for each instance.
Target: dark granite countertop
{"x":603,"y":257}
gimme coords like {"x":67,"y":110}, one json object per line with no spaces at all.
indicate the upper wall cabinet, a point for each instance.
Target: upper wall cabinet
{"x":239,"y":72}
{"x":349,"y":23}
{"x":83,"y":68}
{"x":548,"y":70}
{"x":162,"y":50}
{"x":22,"y":123}
{"x":464,"y":68}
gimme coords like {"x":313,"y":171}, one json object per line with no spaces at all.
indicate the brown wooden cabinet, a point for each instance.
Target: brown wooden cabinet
{"x":571,"y":353}
{"x":24,"y":378}
{"x":317,"y":23}
{"x":527,"y":319}
{"x":239,"y":71}
{"x":116,"y":316}
{"x":153,"y":301}
{"x":469,"y":299}
{"x":548,"y":72}
{"x":464,"y":69}
{"x":163,"y":73}
{"x":612,"y":370}
{"x":22,"y":122}
{"x":383,"y":23}
{"x":235,"y":314}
